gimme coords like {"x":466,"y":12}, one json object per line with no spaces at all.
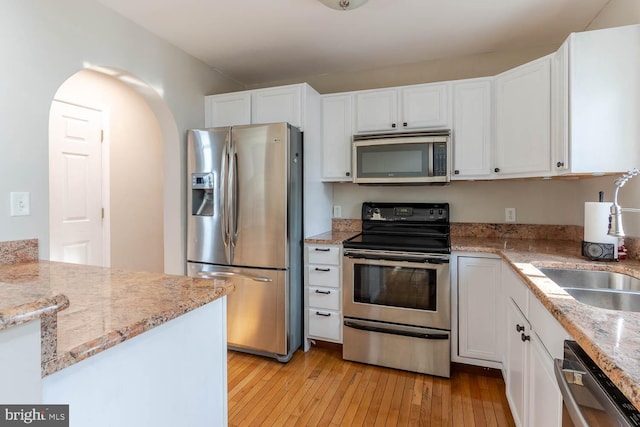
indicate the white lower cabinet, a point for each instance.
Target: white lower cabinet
{"x":323,"y":293}
{"x":479,"y":309}
{"x":533,"y":337}
{"x":545,"y":400}
{"x":516,"y":360}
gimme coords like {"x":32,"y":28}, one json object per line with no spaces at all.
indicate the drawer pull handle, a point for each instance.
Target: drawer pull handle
{"x":323,"y":314}
{"x":322,"y":269}
{"x":323,"y":292}
{"x":322,"y":249}
{"x":524,"y":337}
{"x":519,"y":328}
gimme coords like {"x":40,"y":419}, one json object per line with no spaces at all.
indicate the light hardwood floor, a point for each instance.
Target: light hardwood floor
{"x":318,"y":388}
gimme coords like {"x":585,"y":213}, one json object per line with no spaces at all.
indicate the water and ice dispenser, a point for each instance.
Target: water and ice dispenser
{"x":202,"y":195}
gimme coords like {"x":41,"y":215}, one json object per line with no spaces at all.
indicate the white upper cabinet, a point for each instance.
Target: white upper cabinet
{"x":278,"y":104}
{"x":227,"y":109}
{"x":377,"y":110}
{"x":472,"y":129}
{"x":523,"y":120}
{"x":425,"y":106}
{"x":337,"y":130}
{"x":409,"y":107}
{"x":596,"y":102}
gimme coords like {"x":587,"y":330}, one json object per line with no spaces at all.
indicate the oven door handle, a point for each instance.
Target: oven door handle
{"x":368,"y":328}
{"x":397,"y":258}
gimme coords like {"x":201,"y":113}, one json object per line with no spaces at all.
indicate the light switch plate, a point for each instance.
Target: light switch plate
{"x":337,"y":211}
{"x":20,"y":204}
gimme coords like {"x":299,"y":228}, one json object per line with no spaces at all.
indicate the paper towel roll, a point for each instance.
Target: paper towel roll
{"x":596,"y":223}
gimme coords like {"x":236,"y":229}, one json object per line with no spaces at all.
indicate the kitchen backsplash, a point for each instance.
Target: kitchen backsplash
{"x":18,"y":251}
{"x":506,"y":231}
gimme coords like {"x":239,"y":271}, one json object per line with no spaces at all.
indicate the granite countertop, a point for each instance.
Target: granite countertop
{"x":85,"y":310}
{"x":331,"y":237}
{"x":611,"y":338}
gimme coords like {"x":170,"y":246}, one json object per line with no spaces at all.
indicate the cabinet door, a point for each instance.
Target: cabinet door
{"x":279,"y":104}
{"x":523,"y":120}
{"x":227,"y":109}
{"x":337,"y":129}
{"x":425,"y":106}
{"x":516,"y":361}
{"x":545,"y":399}
{"x":560,"y":109}
{"x":472,"y":129}
{"x":377,"y":110}
{"x":479,"y":303}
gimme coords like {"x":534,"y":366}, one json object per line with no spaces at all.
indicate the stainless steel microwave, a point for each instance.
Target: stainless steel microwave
{"x":402,"y":158}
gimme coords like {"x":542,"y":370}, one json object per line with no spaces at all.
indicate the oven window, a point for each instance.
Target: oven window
{"x":395,"y":286}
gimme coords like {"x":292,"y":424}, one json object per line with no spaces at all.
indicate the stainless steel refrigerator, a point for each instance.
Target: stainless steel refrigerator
{"x":244,"y":224}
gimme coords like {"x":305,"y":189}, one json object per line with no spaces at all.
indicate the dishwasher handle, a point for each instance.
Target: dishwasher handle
{"x":567,"y":396}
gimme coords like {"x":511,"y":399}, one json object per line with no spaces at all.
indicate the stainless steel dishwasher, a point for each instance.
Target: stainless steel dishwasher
{"x":589,"y":396}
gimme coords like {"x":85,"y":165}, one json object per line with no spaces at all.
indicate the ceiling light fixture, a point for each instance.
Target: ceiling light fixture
{"x":343,"y":4}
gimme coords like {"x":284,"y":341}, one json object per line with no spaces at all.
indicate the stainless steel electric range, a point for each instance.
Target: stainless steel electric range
{"x":397,"y":309}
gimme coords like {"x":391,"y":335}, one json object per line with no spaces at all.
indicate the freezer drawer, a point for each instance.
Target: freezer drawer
{"x":257,"y":309}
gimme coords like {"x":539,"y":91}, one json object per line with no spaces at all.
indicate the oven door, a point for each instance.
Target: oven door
{"x":408,"y":289}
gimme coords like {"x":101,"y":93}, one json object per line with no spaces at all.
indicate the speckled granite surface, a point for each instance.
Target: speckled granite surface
{"x":105,"y":306}
{"x":18,"y":251}
{"x":611,"y":338}
{"x":331,"y":237}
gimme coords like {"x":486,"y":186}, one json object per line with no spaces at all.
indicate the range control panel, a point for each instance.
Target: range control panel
{"x":409,"y":212}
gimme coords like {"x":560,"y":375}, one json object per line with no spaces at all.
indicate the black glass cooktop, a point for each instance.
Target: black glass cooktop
{"x":410,"y":227}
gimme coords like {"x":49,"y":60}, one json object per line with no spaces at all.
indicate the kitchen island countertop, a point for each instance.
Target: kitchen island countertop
{"x":85,"y":310}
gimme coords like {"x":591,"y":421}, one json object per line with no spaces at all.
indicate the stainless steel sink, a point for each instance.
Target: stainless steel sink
{"x":604,"y":289}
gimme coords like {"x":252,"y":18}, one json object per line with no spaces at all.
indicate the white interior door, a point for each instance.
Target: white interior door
{"x":75,"y":184}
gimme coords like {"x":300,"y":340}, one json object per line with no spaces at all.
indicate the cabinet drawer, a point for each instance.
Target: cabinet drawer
{"x":324,"y":255}
{"x":324,"y":275}
{"x":325,"y":324}
{"x":326,"y":298}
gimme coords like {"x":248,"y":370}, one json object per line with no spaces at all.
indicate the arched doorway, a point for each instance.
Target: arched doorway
{"x":123,"y":225}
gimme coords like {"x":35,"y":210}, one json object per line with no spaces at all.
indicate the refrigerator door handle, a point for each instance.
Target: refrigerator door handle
{"x":229,"y":274}
{"x":224,"y":194}
{"x":235,"y":190}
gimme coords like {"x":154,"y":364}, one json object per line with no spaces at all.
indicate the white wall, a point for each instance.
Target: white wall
{"x":536,"y":201}
{"x":134,"y":203}
{"x":44,"y":42}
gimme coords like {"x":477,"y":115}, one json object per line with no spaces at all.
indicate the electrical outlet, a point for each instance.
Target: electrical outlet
{"x":510,"y":214}
{"x":20,"y":204}
{"x":337,"y":211}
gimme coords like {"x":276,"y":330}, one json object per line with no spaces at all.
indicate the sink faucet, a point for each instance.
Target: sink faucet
{"x":615,"y":218}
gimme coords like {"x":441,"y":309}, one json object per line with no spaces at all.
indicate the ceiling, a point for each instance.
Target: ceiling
{"x":260,"y":41}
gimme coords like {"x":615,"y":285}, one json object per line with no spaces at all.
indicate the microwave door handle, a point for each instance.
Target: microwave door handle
{"x":430,"y":161}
